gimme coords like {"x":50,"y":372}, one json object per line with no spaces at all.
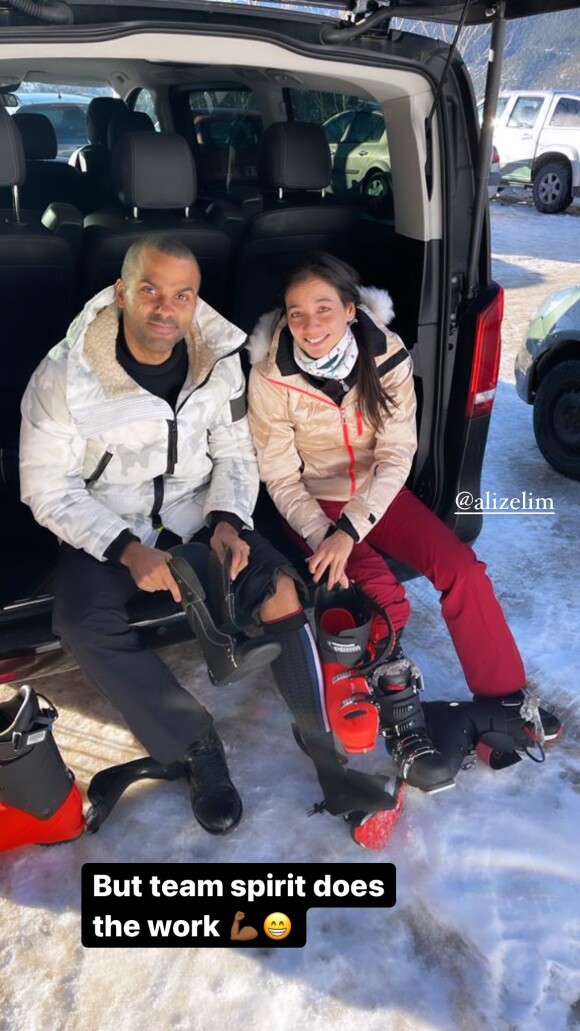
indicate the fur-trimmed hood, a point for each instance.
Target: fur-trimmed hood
{"x":91,"y":341}
{"x":376,"y":302}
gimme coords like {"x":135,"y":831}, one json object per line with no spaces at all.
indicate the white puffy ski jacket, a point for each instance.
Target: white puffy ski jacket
{"x":99,"y":454}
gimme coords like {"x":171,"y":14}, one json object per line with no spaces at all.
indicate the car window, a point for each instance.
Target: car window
{"x":499,"y":110}
{"x":525,"y":112}
{"x":64,"y":117}
{"x":146,"y":103}
{"x":567,"y":113}
{"x":367,"y":127}
{"x":361,"y":163}
{"x":501,"y":106}
{"x":228,"y":127}
{"x":335,"y":128}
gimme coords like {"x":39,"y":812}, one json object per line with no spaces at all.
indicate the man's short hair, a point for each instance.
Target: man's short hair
{"x":163,"y":243}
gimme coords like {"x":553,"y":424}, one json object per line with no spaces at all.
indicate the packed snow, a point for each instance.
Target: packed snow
{"x":485,"y":933}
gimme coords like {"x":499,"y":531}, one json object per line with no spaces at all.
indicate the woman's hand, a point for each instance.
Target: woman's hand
{"x":332,"y":554}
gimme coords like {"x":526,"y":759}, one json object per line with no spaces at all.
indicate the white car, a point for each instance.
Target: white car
{"x":537,"y":134}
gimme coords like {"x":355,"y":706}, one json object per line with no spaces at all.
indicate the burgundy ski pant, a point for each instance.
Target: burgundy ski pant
{"x":411,"y":533}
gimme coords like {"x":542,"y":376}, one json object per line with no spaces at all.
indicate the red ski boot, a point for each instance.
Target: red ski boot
{"x":351,"y":645}
{"x":39,"y":802}
{"x":349,"y":706}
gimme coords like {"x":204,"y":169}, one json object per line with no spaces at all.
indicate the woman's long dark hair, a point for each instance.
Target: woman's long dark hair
{"x":374,"y":402}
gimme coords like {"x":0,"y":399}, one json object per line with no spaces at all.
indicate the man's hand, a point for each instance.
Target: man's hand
{"x":332,"y":554}
{"x":149,"y":569}
{"x":224,"y":537}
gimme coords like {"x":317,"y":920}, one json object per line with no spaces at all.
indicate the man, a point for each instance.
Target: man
{"x":134,"y":438}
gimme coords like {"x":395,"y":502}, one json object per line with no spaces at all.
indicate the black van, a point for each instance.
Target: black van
{"x":416,"y":224}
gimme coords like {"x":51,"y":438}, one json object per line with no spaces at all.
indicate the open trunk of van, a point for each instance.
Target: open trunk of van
{"x":429,"y":248}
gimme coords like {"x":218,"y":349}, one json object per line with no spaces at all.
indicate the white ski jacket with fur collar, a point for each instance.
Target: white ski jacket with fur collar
{"x":309,"y":447}
{"x":99,"y":454}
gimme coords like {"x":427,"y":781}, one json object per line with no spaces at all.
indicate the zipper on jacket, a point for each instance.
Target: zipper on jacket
{"x":159,"y":481}
{"x":171,"y":446}
{"x":347,"y":444}
{"x":359,"y":422}
{"x":158,"y":492}
{"x":99,"y":469}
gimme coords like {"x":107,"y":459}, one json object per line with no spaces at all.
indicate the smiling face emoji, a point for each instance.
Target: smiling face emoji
{"x":277,"y":926}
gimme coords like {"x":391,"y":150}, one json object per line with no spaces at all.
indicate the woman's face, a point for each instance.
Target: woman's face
{"x":316,"y":316}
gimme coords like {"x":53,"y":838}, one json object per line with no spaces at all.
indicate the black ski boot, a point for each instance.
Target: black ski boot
{"x":229,"y":657}
{"x":215,"y":801}
{"x":396,"y":687}
{"x":508,"y":727}
{"x":498,"y":730}
{"x":345,"y":791}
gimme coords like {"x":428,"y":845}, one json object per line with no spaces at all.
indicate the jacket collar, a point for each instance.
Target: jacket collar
{"x":269,"y":340}
{"x":366,"y":333}
{"x":92,"y":337}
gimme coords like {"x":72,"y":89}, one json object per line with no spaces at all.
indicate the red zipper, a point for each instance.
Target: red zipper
{"x":343,"y":420}
{"x":359,"y":423}
{"x":350,"y":451}
{"x":288,"y":386}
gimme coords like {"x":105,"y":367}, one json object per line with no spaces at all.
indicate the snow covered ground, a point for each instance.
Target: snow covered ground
{"x":486,"y":930}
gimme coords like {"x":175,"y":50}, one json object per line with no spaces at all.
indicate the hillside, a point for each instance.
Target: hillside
{"x":541,"y":52}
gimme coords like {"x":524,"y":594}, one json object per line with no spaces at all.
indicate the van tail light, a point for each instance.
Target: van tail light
{"x":486,"y":355}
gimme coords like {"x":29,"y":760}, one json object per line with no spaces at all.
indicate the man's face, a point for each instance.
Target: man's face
{"x":158,"y":303}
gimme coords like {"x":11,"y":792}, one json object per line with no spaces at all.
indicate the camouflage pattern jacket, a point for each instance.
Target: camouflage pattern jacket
{"x":99,"y":454}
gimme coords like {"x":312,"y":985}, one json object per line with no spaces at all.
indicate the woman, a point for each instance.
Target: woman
{"x":332,"y":412}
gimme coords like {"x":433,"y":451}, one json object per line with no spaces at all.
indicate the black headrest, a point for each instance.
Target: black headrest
{"x":99,"y":114}
{"x":38,"y":135}
{"x":127,"y":121}
{"x":153,"y":170}
{"x":294,"y":156}
{"x":12,"y":162}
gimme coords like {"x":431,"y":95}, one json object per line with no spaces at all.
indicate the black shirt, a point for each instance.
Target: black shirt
{"x":164,"y":380}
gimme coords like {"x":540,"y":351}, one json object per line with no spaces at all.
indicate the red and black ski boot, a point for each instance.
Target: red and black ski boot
{"x":360,"y":798}
{"x":396,"y":687}
{"x":348,"y":632}
{"x":342,"y":642}
{"x":350,"y":646}
{"x":39,"y":802}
